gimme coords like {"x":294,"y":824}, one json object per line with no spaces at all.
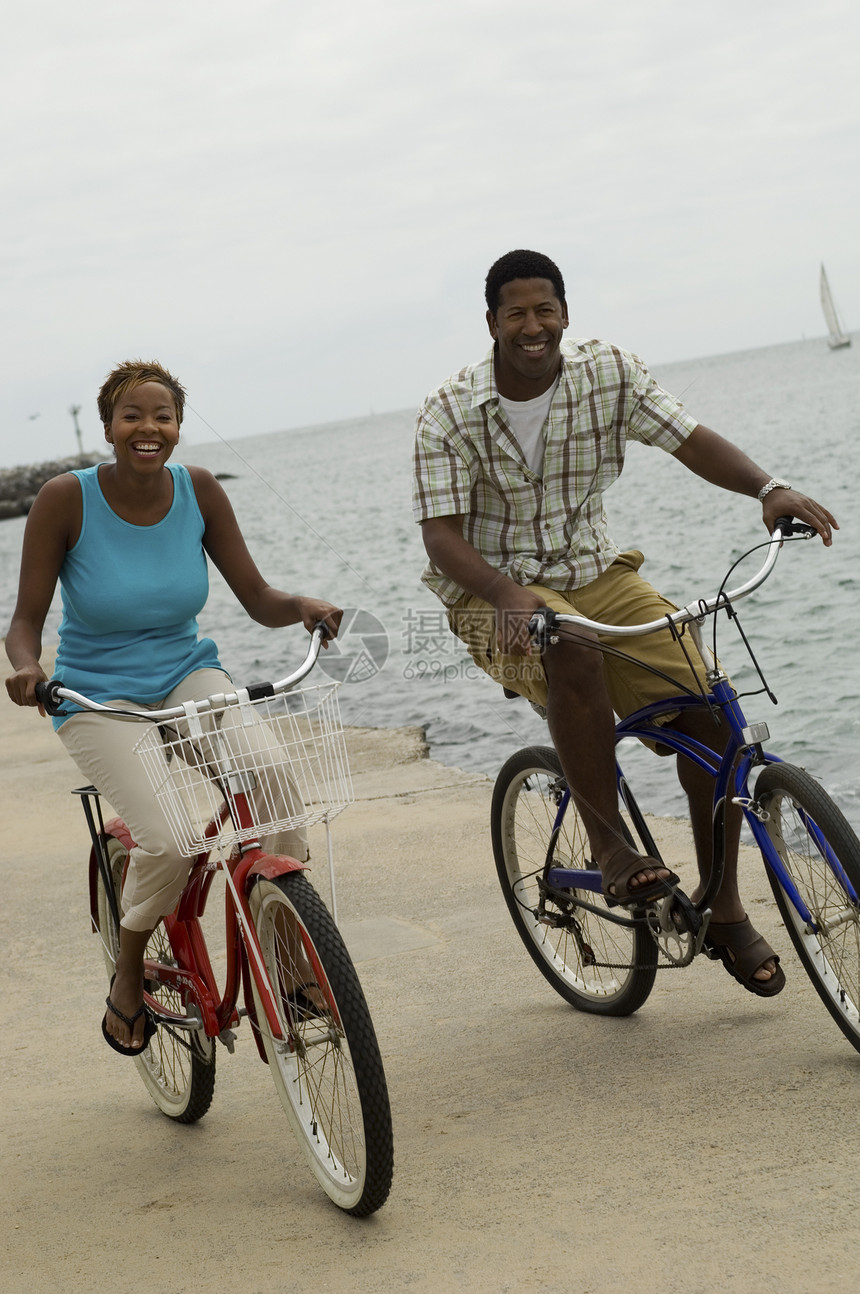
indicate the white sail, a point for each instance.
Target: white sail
{"x":838,"y":336}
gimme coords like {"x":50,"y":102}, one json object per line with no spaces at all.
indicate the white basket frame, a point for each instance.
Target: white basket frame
{"x":287,"y":752}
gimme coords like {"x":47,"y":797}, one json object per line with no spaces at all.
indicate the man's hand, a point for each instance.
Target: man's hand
{"x":514,"y":607}
{"x":791,"y":503}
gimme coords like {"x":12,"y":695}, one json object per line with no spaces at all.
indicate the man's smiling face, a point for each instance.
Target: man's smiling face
{"x":527,"y":328}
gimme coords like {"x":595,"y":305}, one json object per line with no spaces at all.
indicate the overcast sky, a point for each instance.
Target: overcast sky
{"x":293,"y":206}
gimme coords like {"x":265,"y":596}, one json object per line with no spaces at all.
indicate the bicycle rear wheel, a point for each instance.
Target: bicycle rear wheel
{"x":329,"y":1072}
{"x":178,"y":1069}
{"x":596,"y":965}
{"x":820,"y":852}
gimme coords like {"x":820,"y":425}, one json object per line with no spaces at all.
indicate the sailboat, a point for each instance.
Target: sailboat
{"x":838,"y":336}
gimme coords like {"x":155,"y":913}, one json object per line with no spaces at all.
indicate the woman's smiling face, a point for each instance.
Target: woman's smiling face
{"x":144,"y":427}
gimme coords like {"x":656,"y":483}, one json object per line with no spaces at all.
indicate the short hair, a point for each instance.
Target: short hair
{"x":521,"y":264}
{"x":132,"y":373}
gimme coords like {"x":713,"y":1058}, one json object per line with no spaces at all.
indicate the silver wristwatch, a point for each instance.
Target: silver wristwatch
{"x":773,"y":484}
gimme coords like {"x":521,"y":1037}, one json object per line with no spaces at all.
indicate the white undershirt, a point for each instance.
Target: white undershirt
{"x":527,"y":420}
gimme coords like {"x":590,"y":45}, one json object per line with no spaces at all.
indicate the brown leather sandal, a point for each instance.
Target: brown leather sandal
{"x":743,"y":951}
{"x":620,"y":868}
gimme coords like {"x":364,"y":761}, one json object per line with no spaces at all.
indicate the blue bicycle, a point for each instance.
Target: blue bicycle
{"x":604,"y":959}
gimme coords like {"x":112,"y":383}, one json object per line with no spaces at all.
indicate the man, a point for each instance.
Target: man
{"x":512,"y":458}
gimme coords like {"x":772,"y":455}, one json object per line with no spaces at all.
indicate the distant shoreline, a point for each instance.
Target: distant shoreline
{"x":20,"y":485}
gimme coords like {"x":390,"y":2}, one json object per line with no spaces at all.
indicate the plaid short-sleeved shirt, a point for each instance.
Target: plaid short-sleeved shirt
{"x":548,"y":529}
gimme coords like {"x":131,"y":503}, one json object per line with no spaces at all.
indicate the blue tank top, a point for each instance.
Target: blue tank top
{"x":131,"y":596}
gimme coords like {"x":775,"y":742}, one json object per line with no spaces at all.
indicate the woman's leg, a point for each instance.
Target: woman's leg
{"x":103,"y":750}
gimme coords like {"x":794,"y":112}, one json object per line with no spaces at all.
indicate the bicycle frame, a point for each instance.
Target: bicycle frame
{"x":193,"y":976}
{"x":731,"y":771}
{"x":731,"y":775}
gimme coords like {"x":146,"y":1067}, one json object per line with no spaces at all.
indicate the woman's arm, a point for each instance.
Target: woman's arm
{"x":52,"y":527}
{"x":225,"y":544}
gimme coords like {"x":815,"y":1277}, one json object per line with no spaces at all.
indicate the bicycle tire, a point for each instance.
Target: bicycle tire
{"x":524,"y":807}
{"x":177,"y":1069}
{"x":329,"y":1076}
{"x":829,"y":947}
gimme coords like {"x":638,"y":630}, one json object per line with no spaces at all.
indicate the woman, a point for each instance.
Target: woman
{"x":128,"y":542}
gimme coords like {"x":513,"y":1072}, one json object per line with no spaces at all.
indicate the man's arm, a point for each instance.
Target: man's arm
{"x":455,"y":557}
{"x":719,"y":461}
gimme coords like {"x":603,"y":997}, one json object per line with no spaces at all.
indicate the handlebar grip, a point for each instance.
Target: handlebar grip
{"x":325,"y":632}
{"x":46,"y":694}
{"x":789,"y":526}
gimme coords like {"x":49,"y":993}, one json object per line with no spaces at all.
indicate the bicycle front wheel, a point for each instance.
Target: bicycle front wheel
{"x":596,"y":965}
{"x":178,"y":1069}
{"x":821,"y":855}
{"x":327,"y":1069}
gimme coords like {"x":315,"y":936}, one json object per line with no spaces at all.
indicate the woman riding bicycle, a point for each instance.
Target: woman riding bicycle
{"x":128,"y":541}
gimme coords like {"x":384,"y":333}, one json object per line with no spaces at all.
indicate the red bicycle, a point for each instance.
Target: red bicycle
{"x":285,"y":958}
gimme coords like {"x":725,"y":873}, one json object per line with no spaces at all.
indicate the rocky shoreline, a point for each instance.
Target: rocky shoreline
{"x":20,"y":485}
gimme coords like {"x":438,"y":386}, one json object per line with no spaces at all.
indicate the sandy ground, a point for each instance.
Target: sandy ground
{"x":708,"y":1143}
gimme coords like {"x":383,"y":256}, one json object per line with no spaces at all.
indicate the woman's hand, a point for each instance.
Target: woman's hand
{"x":313,"y":610}
{"x":21,"y":685}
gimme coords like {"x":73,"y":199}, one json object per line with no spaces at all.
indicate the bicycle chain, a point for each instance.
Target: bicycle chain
{"x":666,"y":964}
{"x":669,"y":965}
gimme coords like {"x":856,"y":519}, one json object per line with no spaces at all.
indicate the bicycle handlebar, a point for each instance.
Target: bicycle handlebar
{"x":52,"y":694}
{"x":545,"y":620}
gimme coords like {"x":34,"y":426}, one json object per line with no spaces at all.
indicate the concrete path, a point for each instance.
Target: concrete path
{"x":708,"y":1143}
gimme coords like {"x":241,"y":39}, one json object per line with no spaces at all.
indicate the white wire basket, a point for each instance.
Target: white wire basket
{"x":287,"y":753}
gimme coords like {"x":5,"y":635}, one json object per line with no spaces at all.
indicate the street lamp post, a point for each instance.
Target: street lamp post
{"x":74,"y":410}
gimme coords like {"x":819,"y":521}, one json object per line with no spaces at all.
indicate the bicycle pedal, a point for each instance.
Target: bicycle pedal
{"x":680,"y":916}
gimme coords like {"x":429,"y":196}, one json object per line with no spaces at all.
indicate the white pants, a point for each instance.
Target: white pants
{"x":103,"y":749}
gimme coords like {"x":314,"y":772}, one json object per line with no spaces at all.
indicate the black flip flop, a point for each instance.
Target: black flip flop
{"x":149,"y":1027}
{"x":302,"y":1004}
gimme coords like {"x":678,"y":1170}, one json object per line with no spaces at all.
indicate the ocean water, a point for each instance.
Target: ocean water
{"x":326,"y":510}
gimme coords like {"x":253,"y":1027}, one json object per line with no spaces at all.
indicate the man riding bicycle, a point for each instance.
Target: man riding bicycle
{"x":512,"y":457}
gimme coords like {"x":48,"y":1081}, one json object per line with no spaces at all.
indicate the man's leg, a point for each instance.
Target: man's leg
{"x":582,"y":725}
{"x":569,"y":680}
{"x":699,"y":788}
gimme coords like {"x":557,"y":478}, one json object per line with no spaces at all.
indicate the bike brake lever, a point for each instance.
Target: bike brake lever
{"x":542,"y":624}
{"x":789,"y":526}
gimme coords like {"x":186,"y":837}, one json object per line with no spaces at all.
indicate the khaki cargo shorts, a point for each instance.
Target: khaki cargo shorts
{"x":618,"y":596}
